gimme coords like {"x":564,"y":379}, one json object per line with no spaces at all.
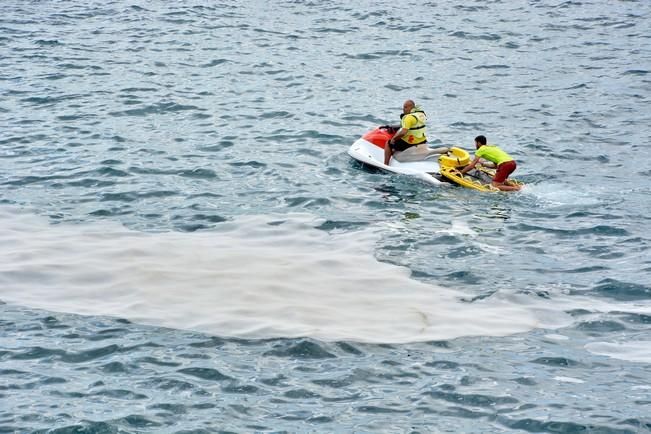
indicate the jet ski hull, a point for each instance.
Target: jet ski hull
{"x":369,"y":149}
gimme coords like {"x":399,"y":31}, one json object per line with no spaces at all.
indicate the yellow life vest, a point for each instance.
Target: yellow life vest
{"x":416,"y":134}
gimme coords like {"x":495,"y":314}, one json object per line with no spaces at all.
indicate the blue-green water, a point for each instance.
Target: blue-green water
{"x":186,"y":247}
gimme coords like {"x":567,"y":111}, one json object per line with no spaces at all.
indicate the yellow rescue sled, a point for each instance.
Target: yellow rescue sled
{"x":479,"y":178}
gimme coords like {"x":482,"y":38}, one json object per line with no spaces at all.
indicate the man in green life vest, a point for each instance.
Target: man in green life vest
{"x":505,"y":164}
{"x":410,"y":141}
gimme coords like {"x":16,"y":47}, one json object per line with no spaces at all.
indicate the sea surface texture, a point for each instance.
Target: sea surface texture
{"x":186,"y":246}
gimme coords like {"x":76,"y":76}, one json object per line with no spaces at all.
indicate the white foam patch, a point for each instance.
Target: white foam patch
{"x":458,"y":227}
{"x":256,"y":277}
{"x":556,"y":337}
{"x":633,"y":351}
{"x":554,"y":195}
{"x":569,"y":380}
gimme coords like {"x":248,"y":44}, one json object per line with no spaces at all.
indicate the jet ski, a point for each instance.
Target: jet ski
{"x":369,"y":149}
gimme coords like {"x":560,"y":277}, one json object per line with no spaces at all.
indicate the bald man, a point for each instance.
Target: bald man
{"x":410,"y":141}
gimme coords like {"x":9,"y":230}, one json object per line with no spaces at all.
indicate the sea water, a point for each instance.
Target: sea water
{"x":186,"y":247}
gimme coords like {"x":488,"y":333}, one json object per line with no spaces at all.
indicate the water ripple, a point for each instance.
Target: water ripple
{"x":180,"y":119}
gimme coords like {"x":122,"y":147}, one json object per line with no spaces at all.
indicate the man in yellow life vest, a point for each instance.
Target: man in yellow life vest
{"x":504,"y":162}
{"x":410,"y":141}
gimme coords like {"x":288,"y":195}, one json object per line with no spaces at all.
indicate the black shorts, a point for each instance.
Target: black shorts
{"x":401,"y":145}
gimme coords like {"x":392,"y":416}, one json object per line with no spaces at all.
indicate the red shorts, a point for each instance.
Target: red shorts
{"x":503,"y":171}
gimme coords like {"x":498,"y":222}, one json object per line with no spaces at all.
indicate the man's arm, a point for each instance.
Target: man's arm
{"x":407,"y":123}
{"x":388,"y":151}
{"x":398,"y":135}
{"x":470,"y":166}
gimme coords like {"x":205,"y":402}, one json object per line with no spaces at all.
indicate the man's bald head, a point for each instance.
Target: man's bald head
{"x":407,"y":106}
